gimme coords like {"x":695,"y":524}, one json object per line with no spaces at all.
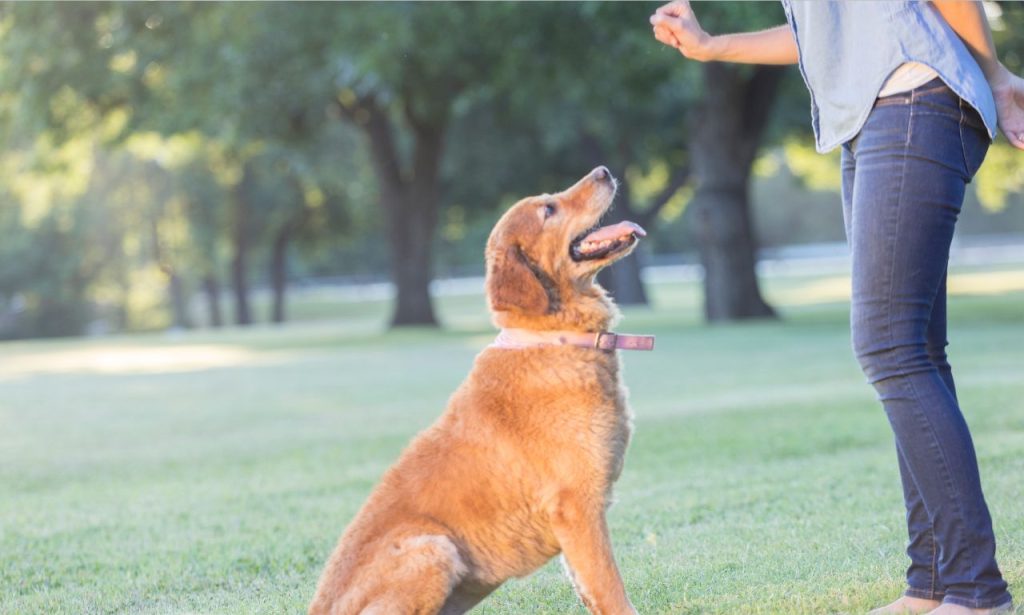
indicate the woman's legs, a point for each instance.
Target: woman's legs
{"x":921,"y":547}
{"x":922,"y":575}
{"x":904,"y":182}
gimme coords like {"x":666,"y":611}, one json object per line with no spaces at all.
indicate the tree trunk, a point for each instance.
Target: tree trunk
{"x":411,"y":236}
{"x":175,"y":287}
{"x":179,"y":302}
{"x":240,"y":285}
{"x":240,"y":243}
{"x":279,"y":273}
{"x":727,"y":129}
{"x":211,"y":288}
{"x":622,"y":280}
{"x":409,"y":193}
{"x":410,"y":200}
{"x":725,"y":238}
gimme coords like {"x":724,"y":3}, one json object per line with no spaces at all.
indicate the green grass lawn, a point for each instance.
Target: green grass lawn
{"x":212,"y":472}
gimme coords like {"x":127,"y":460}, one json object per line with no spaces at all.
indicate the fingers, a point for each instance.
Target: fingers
{"x":660,"y":20}
{"x":664,"y":36}
{"x":1016,"y":139}
{"x":668,"y":24}
{"x":663,"y":31}
{"x":677,"y":8}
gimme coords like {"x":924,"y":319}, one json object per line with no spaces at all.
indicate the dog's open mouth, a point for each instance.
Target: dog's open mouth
{"x":605,"y":241}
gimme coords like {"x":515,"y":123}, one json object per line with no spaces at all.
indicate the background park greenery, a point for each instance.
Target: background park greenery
{"x":164,"y":164}
{"x":184,"y":167}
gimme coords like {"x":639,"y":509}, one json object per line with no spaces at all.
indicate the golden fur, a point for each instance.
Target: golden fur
{"x":521,"y":464}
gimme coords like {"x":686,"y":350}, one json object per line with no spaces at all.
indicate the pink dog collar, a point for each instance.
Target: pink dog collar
{"x":602,"y":340}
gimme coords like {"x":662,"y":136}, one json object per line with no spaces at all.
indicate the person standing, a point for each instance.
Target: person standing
{"x":913,"y":93}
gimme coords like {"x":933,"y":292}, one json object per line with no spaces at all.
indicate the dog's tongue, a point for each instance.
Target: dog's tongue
{"x":615,"y":231}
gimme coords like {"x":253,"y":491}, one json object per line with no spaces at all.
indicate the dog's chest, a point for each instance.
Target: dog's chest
{"x":566,"y":406}
{"x":600,"y":424}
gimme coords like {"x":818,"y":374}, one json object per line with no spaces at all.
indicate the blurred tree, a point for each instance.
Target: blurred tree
{"x":73,"y":232}
{"x":728,"y":127}
{"x":640,"y":108}
{"x":620,"y":108}
{"x":203,"y":196}
{"x":214,"y":72}
{"x":436,"y":112}
{"x":404,"y":72}
{"x":97,"y":71}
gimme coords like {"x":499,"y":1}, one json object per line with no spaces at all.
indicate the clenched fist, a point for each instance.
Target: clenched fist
{"x":676,"y":26}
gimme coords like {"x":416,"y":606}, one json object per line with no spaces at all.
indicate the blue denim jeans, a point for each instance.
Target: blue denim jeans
{"x":904,"y":177}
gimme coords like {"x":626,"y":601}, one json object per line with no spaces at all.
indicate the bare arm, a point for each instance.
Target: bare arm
{"x":968,"y":20}
{"x":773,"y":46}
{"x":676,"y":26}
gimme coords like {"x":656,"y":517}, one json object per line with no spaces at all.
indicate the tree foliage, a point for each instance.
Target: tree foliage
{"x":158,"y":154}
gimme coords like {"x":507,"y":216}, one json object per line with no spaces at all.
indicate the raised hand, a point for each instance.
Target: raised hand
{"x":676,"y":26}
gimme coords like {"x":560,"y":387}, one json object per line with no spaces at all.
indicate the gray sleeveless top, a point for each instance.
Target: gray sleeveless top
{"x":848,"y":48}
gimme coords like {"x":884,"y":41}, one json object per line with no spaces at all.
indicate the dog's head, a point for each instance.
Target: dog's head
{"x":543,"y":254}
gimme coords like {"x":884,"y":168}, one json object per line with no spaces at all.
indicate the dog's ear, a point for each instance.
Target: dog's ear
{"x":514,"y":282}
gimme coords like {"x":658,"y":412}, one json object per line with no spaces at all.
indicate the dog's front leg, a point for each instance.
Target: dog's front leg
{"x":579,"y":526}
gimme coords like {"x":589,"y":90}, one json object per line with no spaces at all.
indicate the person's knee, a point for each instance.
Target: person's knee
{"x":882,"y":356}
{"x":874,"y":358}
{"x":937,"y":354}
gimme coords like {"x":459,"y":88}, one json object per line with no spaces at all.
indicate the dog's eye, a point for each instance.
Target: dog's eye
{"x":549,"y":210}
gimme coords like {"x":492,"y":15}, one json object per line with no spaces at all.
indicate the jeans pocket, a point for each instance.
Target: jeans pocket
{"x":974,"y":142}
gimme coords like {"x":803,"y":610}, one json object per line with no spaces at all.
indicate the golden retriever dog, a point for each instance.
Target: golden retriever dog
{"x":520,"y":466}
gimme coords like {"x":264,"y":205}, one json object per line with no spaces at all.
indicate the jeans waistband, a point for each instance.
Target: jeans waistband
{"x":934,"y":94}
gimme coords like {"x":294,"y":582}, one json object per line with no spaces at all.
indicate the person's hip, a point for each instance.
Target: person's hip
{"x":928,"y":125}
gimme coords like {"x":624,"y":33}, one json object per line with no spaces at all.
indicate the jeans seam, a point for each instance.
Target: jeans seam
{"x":966,"y":124}
{"x":935,"y":563}
{"x":915,"y":592}
{"x":974,"y":604}
{"x":889,"y":329}
{"x":899,"y":200}
{"x":892,"y":283}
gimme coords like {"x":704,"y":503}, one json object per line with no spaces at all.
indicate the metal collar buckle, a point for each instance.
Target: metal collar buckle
{"x":600,"y":335}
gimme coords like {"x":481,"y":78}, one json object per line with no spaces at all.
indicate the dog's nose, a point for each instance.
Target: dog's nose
{"x":602,"y":173}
